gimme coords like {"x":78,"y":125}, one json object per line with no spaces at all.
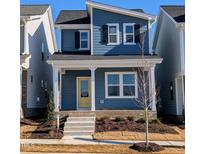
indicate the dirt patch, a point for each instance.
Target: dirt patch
{"x":126,"y":125}
{"x":152,"y":147}
{"x":41,"y":129}
{"x":114,"y":149}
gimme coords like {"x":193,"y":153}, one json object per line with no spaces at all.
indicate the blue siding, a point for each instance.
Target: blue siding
{"x":101,"y":17}
{"x":69,"y":91}
{"x":68,"y":40}
{"x":69,"y":88}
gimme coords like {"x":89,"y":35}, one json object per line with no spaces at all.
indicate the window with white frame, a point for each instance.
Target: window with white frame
{"x":121,"y":84}
{"x":84,"y":40}
{"x":128,"y":33}
{"x":113,"y":34}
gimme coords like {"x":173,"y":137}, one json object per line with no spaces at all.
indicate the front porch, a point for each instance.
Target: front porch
{"x":68,"y":68}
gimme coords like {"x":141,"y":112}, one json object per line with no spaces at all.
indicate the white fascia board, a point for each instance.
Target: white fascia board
{"x":120,"y":10}
{"x":72,"y":26}
{"x":105,"y":63}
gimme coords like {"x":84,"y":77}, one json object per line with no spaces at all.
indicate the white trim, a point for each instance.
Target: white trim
{"x":120,"y":10}
{"x":77,"y":104}
{"x":117,"y":33}
{"x":121,"y":85}
{"x":149,"y":31}
{"x":125,"y":34}
{"x":91,"y":29}
{"x":176,"y":94}
{"x":92,"y":69}
{"x":73,"y":26}
{"x":60,"y":40}
{"x":88,"y":39}
{"x":141,"y":62}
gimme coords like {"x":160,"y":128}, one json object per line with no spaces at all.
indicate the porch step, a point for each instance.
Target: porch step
{"x":77,"y":133}
{"x":82,"y":123}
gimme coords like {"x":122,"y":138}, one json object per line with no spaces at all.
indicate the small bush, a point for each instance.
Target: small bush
{"x":104,"y":118}
{"x":131,"y":118}
{"x":50,"y":107}
{"x":156,"y":121}
{"x":141,"y":120}
{"x":118,"y":119}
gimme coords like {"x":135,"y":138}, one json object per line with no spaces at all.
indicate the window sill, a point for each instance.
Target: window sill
{"x":113,"y":44}
{"x":120,"y":97}
{"x":84,"y":49}
{"x":129,"y":43}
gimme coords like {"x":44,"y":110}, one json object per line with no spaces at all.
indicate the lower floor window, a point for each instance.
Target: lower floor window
{"x":121,"y":84}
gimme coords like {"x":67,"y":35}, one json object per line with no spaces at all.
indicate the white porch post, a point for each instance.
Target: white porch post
{"x":56,"y":92}
{"x":26,"y":48}
{"x":92,"y":69}
{"x":152,"y":88}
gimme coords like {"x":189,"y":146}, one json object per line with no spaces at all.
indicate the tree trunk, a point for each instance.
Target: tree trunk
{"x":147,"y":128}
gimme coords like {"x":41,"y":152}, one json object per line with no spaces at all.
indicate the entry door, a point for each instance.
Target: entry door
{"x":84,"y":92}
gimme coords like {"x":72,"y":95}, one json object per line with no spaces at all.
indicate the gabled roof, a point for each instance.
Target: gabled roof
{"x":177,"y":12}
{"x":120,"y":10}
{"x":29,"y":10}
{"x":73,"y":17}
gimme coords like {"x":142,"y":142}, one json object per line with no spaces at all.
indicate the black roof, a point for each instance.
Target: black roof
{"x":59,"y":56}
{"x":28,"y":10}
{"x":78,"y":16}
{"x":73,"y":17}
{"x":177,"y":12}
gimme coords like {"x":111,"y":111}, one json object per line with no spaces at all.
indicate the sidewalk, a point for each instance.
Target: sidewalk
{"x":77,"y":140}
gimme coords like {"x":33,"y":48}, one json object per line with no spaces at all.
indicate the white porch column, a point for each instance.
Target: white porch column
{"x":152,"y":88}
{"x":26,"y":44}
{"x":92,"y":69}
{"x":56,"y":88}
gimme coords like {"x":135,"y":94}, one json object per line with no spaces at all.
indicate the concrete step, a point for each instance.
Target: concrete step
{"x":79,"y":124}
{"x":76,"y":133}
{"x":81,"y":128}
{"x":81,"y":114}
{"x":81,"y":119}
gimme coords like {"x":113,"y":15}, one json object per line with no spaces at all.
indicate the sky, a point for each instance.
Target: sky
{"x":149,"y":6}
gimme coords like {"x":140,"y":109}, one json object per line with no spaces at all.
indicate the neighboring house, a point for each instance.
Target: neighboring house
{"x":95,"y":68}
{"x":37,"y":43}
{"x":169,"y":44}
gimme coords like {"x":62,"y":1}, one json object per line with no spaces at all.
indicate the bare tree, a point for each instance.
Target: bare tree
{"x":145,"y":96}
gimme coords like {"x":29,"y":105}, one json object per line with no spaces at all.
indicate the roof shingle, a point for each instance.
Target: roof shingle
{"x":29,"y":10}
{"x":176,"y":12}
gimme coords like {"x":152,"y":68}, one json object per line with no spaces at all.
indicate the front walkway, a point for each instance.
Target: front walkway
{"x":85,"y":140}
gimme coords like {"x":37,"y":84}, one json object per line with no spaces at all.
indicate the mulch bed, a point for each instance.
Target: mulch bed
{"x":46,"y":129}
{"x":126,"y":125}
{"x":152,"y":147}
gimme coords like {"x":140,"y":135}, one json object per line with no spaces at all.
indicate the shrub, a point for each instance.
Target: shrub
{"x":118,"y":119}
{"x":130,"y":118}
{"x":141,"y":120}
{"x":50,"y":107}
{"x":156,"y":121}
{"x":104,"y":118}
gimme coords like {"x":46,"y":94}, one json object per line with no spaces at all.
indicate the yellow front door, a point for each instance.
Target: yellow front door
{"x":84,"y":92}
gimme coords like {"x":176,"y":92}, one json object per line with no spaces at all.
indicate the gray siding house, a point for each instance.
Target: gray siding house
{"x":37,"y":43}
{"x":169,"y":44}
{"x":95,"y":67}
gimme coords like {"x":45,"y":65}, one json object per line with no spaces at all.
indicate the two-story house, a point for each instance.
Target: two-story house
{"x":169,"y":44}
{"x":37,"y":43}
{"x":95,"y":68}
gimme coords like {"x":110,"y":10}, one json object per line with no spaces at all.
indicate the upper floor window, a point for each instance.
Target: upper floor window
{"x":129,"y":33}
{"x":84,"y":40}
{"x":113,"y":34}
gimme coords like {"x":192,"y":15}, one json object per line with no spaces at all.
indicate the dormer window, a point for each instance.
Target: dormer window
{"x":113,"y":34}
{"x":129,"y":33}
{"x":84,"y":40}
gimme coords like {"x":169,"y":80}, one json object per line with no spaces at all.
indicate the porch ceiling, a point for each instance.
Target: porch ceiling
{"x":61,"y":60}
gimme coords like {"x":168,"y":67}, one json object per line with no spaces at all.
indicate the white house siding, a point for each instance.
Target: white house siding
{"x":39,"y":32}
{"x":168,"y":47}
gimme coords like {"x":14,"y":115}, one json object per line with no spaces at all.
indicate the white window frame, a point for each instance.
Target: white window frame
{"x":117,"y":33}
{"x":125,"y":34}
{"x":120,"y":85}
{"x":88,"y":39}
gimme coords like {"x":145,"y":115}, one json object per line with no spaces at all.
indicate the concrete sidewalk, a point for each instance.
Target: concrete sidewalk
{"x":80,"y":140}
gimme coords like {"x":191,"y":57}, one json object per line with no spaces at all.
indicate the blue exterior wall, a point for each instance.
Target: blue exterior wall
{"x":69,"y":91}
{"x":68,"y":40}
{"x":100,"y":18}
{"x":69,"y":88}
